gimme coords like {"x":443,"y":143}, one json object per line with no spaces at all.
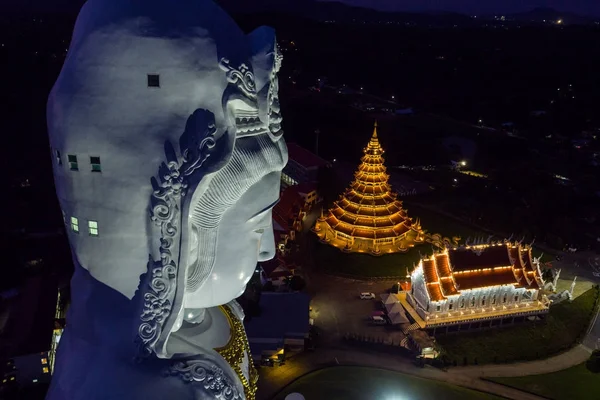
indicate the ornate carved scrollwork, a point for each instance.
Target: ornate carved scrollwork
{"x":242,"y":77}
{"x":159,"y":294}
{"x":211,"y":377}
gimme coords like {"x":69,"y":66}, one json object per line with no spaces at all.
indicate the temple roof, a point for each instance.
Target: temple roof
{"x":446,"y":274}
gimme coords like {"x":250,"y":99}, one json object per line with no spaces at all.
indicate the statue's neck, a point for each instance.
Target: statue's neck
{"x":202,"y":331}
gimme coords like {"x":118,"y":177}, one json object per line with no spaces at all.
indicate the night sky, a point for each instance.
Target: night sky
{"x":583,"y":7}
{"x":472,"y":7}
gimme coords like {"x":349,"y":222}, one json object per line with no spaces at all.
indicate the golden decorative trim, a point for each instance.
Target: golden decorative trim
{"x":235,"y":349}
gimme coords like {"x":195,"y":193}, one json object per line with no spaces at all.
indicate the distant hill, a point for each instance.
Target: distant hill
{"x":544,"y":15}
{"x":328,"y":11}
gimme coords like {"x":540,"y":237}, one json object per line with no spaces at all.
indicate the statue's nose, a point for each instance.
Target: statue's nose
{"x":267,"y":245}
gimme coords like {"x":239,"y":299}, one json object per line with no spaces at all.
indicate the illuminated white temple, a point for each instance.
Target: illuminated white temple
{"x":476,"y":286}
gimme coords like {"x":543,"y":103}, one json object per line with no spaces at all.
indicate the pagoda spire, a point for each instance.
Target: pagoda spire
{"x":375,"y":130}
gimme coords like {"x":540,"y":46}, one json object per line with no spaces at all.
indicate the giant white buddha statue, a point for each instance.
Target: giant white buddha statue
{"x":166,"y":134}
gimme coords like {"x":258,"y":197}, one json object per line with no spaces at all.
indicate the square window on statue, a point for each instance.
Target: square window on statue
{"x":93,"y":227}
{"x":95,"y":161}
{"x":75,"y":224}
{"x":153,"y":80}
{"x":73,"y":162}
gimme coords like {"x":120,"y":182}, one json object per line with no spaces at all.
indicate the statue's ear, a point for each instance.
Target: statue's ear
{"x":262,"y":44}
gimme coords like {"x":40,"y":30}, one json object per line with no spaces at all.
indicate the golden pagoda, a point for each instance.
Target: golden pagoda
{"x":368,"y":217}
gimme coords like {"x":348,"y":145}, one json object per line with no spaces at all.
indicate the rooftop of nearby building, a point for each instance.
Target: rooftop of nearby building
{"x":30,"y":319}
{"x":283,"y":212}
{"x":447,"y":273}
{"x":305,"y":157}
{"x":281,"y":314}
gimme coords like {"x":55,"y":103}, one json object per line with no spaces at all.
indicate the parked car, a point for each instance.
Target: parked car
{"x":377,"y":320}
{"x":367,"y":296}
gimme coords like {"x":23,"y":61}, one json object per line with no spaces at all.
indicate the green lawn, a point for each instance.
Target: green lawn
{"x":564,"y":325}
{"x":573,"y":383}
{"x":360,"y":383}
{"x":448,"y":227}
{"x":331,"y":259}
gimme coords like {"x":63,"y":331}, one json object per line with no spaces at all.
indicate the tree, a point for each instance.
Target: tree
{"x":297,"y":283}
{"x":593,"y":364}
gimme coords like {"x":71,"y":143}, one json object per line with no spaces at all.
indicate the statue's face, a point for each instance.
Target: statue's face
{"x":245,"y":237}
{"x":230,"y":222}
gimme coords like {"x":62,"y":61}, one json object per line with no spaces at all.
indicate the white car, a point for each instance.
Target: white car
{"x":378,"y":320}
{"x":367,"y":296}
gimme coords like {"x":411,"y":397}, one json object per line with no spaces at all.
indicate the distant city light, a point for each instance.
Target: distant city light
{"x":463,"y":163}
{"x":393,"y":97}
{"x":560,"y":21}
{"x":334,"y":160}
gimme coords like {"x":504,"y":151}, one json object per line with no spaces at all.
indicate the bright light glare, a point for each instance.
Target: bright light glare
{"x":463,"y":163}
{"x":397,"y":397}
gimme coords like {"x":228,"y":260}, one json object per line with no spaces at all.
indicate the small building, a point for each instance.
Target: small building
{"x":31,"y":324}
{"x":475,"y":286}
{"x":308,"y":191}
{"x":281,"y":328}
{"x":288,"y":213}
{"x":276,"y":271}
{"x":303,"y":166}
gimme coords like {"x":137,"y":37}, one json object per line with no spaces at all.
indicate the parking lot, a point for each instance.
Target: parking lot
{"x":337,"y":308}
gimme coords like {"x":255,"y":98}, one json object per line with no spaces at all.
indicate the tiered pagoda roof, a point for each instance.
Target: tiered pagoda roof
{"x":448,"y":273}
{"x":368,"y":209}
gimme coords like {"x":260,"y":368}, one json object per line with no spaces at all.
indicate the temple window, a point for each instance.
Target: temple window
{"x":493,"y":299}
{"x":483,"y":301}
{"x":516,"y":298}
{"x":95,"y":161}
{"x":73,"y":162}
{"x":46,"y":370}
{"x":154,"y":80}
{"x":75,"y":224}
{"x":93,"y":228}
{"x":504,"y":298}
{"x":451,"y":305}
{"x":44,"y":361}
{"x":58,"y":158}
{"x":473,"y":301}
{"x":462,"y":303}
{"x":438,"y":308}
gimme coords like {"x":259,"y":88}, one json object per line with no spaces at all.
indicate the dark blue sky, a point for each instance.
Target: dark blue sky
{"x":583,"y":7}
{"x":473,"y":7}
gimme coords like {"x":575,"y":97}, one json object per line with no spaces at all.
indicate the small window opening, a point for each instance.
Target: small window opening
{"x":75,"y":224}
{"x":95,"y":161}
{"x":153,"y":80}
{"x":58,"y":158}
{"x":73,"y":162}
{"x":93,"y":227}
